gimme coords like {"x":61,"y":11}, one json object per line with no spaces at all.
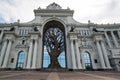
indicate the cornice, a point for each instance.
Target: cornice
{"x":35,"y":33}
{"x":53,"y":12}
{"x":20,"y":24}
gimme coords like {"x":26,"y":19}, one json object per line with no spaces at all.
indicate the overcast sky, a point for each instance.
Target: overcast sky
{"x":98,"y":11}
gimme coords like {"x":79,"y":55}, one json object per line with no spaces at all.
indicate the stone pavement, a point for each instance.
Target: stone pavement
{"x":75,"y":75}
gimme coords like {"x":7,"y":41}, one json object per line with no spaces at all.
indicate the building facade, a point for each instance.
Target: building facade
{"x":87,"y":45}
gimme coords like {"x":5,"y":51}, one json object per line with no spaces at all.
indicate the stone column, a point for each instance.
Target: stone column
{"x":73,"y":56}
{"x":108,"y":40}
{"x":3,"y":52}
{"x":100,"y":55}
{"x":29,"y":55}
{"x":83,"y":62}
{"x":78,"y":55}
{"x":114,"y":39}
{"x":1,"y":35}
{"x":34,"y":55}
{"x":105,"y":55}
{"x":7,"y":54}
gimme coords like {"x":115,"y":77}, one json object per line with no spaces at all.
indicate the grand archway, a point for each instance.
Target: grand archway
{"x":54,"y":48}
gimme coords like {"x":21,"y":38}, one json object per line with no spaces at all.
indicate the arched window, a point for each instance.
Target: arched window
{"x":54,"y":50}
{"x":87,"y":61}
{"x":20,"y":60}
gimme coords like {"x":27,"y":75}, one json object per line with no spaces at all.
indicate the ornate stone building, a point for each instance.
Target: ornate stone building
{"x":87,"y":46}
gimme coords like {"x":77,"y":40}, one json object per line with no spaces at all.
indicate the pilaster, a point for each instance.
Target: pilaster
{"x":7,"y":54}
{"x":34,"y":55}
{"x":73,"y":56}
{"x":105,"y":55}
{"x":78,"y":55}
{"x":100,"y":55}
{"x":29,"y":61}
{"x":114,"y":39}
{"x":3,"y":52}
{"x":108,"y":40}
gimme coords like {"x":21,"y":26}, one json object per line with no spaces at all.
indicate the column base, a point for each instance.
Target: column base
{"x":76,"y":69}
{"x":100,"y":69}
{"x":27,"y":68}
{"x":33,"y":68}
{"x":6,"y":69}
{"x":109,"y":68}
{"x":53,"y":70}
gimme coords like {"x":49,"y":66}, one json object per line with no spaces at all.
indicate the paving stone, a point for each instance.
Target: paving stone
{"x":36,"y":75}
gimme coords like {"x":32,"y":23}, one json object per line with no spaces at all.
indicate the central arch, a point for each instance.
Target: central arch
{"x":53,"y":35}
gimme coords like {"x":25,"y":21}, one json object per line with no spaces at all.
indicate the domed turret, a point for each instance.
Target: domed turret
{"x":54,"y":6}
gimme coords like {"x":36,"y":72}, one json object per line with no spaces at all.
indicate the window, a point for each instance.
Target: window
{"x":20,"y":61}
{"x":23,"y":42}
{"x":87,"y":60}
{"x":12,"y":60}
{"x":95,"y":60}
{"x":46,"y":59}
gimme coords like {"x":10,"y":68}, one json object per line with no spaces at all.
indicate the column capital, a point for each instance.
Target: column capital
{"x":35,"y":39}
{"x":72,"y":39}
{"x":105,"y":31}
{"x":76,"y":40}
{"x":97,"y":41}
{"x":111,"y":31}
{"x":10,"y":40}
{"x":5,"y":40}
{"x":31,"y":40}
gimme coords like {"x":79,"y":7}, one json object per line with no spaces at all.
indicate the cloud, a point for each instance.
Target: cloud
{"x":17,"y":9}
{"x":100,"y":11}
{"x":110,"y":13}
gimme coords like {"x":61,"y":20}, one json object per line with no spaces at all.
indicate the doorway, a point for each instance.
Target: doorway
{"x":20,"y":60}
{"x":87,"y":60}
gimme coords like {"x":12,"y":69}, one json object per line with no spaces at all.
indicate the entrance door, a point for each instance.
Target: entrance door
{"x":20,"y":60}
{"x":87,"y":61}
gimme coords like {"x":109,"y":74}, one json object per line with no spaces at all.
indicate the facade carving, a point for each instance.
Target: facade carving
{"x":100,"y":41}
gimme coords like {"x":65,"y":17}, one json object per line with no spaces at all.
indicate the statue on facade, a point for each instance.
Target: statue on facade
{"x":35,"y":29}
{"x":95,"y":30}
{"x":12,"y":29}
{"x":72,"y":29}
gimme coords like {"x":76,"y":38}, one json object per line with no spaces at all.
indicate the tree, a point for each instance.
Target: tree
{"x":54,"y":42}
